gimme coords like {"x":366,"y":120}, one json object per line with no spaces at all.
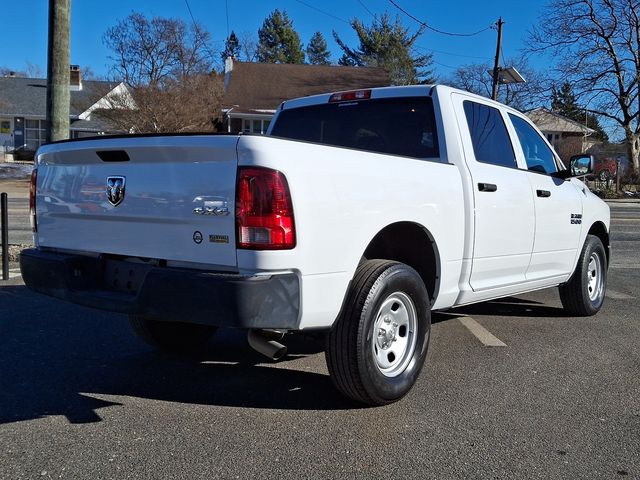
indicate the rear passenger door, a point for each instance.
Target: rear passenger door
{"x":558,"y":205}
{"x":504,"y":211}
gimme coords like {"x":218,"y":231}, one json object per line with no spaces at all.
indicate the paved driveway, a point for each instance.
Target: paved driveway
{"x":81,"y":397}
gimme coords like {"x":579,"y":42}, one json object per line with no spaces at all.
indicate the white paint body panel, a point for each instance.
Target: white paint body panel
{"x":165,"y":179}
{"x":489,"y":244}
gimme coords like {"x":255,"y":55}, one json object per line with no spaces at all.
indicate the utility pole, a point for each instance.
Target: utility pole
{"x":496,"y":64}
{"x":58,"y":70}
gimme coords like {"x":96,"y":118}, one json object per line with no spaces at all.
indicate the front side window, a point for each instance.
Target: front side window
{"x":489,"y":136}
{"x":537,"y":153}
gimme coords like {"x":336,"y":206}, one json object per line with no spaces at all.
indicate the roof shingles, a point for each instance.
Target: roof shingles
{"x":28,"y":96}
{"x":264,"y":86}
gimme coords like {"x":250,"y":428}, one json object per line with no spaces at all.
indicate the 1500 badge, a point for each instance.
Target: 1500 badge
{"x":211,"y":205}
{"x":217,"y":211}
{"x":576,"y":218}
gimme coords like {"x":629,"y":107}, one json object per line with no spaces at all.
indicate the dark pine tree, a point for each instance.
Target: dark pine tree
{"x":317,"y":53}
{"x":278,"y":42}
{"x":231,"y":47}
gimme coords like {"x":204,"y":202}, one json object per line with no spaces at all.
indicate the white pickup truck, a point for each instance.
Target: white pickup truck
{"x":355,"y":216}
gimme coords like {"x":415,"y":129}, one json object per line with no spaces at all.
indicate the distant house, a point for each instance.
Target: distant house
{"x":562,"y":132}
{"x":253,"y":91}
{"x":23,"y":105}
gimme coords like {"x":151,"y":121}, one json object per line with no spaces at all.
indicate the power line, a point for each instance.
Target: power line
{"x":226,"y":8}
{"x":196,"y":30}
{"x":447,"y":66}
{"x":365,"y":7}
{"x":430,"y":50}
{"x":323,"y":12}
{"x":451,"y":34}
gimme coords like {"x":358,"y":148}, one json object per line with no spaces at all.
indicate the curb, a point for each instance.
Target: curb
{"x":622,"y":200}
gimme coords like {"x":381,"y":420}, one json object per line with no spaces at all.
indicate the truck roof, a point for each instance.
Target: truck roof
{"x":386,"y":92}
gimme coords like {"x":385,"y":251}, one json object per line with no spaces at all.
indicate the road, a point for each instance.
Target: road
{"x":18,"y":203}
{"x":81,"y":397}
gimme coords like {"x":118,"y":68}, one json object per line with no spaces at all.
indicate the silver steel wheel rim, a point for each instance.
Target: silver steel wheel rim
{"x":595,"y":281}
{"x":394,"y":334}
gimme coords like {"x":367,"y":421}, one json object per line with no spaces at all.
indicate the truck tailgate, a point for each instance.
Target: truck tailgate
{"x":177,"y":200}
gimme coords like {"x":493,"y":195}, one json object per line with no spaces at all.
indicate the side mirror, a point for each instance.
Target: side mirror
{"x":579,"y":166}
{"x":582,"y":165}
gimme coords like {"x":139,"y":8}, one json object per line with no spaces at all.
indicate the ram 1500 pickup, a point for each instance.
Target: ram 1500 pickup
{"x":356,"y":215}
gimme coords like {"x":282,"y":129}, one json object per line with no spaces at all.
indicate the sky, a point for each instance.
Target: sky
{"x":25,"y":26}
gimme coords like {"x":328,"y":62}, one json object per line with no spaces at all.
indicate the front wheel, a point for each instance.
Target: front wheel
{"x":583,"y":294}
{"x":379,"y":343}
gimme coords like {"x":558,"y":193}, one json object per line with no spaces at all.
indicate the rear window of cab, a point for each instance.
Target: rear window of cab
{"x":397,"y":126}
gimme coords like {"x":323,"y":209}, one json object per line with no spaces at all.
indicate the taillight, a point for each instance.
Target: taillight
{"x":264,"y":213}
{"x":350,"y":96}
{"x":32,"y":200}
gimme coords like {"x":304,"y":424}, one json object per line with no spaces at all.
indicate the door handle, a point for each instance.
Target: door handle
{"x":487,"y":187}
{"x":543,"y":193}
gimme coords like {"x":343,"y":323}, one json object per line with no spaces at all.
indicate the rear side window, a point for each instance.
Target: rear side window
{"x":397,"y":126}
{"x":489,"y":136}
{"x":538,"y":155}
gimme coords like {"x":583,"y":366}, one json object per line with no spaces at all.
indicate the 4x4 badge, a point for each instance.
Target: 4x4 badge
{"x":115,"y":190}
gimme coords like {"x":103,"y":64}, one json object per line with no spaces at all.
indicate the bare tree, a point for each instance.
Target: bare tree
{"x":475,"y":78}
{"x":189,"y":105}
{"x":597,"y":47}
{"x":167,"y":67}
{"x":158,"y":50}
{"x":248,"y":46}
{"x":31,"y":70}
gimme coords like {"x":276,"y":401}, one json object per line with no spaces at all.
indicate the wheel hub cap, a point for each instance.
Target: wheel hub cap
{"x":594,"y":277}
{"x":395,"y":331}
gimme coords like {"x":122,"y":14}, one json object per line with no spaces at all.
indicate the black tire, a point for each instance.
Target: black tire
{"x":171,"y":336}
{"x":353,"y":351}
{"x":583,"y":295}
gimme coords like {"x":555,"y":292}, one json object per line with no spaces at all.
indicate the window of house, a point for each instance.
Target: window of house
{"x":35,"y":133}
{"x":255,"y":126}
{"x":489,"y":136}
{"x":5,"y":126}
{"x":537,"y":153}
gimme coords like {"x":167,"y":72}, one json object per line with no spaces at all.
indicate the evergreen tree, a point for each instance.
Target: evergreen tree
{"x":563,"y":101}
{"x":387,"y":43}
{"x":317,"y":52}
{"x":346,"y":61}
{"x":231,"y":47}
{"x":278,"y":42}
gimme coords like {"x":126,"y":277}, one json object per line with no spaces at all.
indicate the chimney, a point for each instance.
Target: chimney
{"x":75,"y":80}
{"x":228,"y":68}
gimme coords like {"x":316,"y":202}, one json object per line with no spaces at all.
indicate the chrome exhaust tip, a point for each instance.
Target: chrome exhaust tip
{"x":267,"y":343}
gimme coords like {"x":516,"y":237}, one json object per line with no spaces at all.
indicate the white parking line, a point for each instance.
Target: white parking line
{"x":481,"y":333}
{"x":618,"y":295}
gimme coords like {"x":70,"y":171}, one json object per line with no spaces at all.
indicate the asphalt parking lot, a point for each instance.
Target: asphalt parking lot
{"x":81,"y":397}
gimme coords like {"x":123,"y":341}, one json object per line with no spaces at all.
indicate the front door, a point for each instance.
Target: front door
{"x":18,"y":132}
{"x":558,"y":206}
{"x":504,"y":209}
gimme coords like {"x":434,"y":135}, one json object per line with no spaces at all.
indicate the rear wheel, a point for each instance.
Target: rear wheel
{"x":171,"y":336}
{"x":378,"y":346}
{"x":583,"y":294}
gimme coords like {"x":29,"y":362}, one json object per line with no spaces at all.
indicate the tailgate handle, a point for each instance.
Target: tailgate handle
{"x":113,"y":155}
{"x":487,"y":187}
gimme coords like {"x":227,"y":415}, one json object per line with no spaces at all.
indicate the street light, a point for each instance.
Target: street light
{"x":506,"y":75}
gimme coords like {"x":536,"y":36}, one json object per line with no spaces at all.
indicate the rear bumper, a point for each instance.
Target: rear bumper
{"x":166,"y":293}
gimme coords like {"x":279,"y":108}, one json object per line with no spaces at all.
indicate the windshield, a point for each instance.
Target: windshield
{"x":398,"y":126}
